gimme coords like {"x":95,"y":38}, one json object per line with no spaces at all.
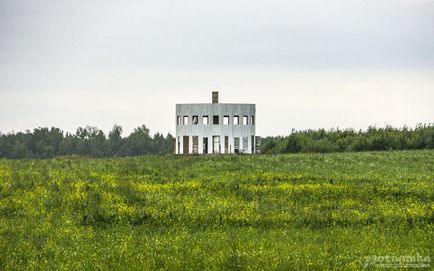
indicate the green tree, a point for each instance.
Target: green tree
{"x":115,"y":140}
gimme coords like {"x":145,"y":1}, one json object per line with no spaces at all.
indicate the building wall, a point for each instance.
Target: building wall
{"x":231,"y":130}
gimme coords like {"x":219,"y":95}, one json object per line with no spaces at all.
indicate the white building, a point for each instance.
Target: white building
{"x":215,"y":128}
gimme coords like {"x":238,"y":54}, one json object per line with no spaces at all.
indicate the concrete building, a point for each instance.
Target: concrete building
{"x":215,"y":128}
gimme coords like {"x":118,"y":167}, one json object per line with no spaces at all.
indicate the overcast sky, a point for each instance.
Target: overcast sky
{"x":306,"y":64}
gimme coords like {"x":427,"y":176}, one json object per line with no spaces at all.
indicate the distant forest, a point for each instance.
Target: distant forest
{"x":87,"y":141}
{"x":350,"y":140}
{"x":91,"y":141}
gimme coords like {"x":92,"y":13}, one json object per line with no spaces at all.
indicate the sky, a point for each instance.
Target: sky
{"x":306,"y":64}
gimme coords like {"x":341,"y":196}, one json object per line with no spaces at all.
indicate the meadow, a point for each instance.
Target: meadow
{"x":262,"y":212}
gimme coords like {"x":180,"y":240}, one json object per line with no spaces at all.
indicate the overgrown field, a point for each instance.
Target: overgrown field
{"x":282,"y":212}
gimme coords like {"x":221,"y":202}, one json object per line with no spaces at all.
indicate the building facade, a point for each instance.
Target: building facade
{"x":215,"y":128}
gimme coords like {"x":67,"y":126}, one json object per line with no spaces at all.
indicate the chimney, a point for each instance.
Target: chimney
{"x":215,"y":97}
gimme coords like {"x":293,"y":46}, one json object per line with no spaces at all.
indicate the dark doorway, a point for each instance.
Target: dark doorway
{"x":205,"y":145}
{"x":185,"y":145}
{"x":226,"y":144}
{"x":179,"y":145}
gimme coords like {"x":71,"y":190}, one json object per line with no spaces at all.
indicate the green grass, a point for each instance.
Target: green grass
{"x":282,"y":212}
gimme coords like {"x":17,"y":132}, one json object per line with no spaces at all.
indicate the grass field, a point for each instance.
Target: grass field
{"x":282,"y":212}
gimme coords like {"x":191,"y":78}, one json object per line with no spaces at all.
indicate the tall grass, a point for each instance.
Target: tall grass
{"x":282,"y":212}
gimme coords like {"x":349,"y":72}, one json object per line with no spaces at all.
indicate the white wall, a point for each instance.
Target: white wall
{"x":211,"y":130}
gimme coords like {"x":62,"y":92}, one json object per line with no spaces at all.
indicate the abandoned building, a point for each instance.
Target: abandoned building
{"x":216,"y":128}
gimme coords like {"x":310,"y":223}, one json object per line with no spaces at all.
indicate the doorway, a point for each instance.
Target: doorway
{"x":216,"y":144}
{"x":195,"y":144}
{"x":236,"y":144}
{"x":185,"y":145}
{"x":226,"y":144}
{"x":205,"y":145}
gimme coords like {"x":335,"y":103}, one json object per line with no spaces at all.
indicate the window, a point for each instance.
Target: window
{"x":205,"y":120}
{"x":215,"y":119}
{"x":245,"y":120}
{"x":195,"y":120}
{"x":185,"y":120}
{"x":178,"y":120}
{"x":252,"y":120}
{"x":236,"y":120}
{"x":225,"y":120}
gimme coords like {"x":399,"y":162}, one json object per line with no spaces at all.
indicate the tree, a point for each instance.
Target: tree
{"x":115,"y":140}
{"x":138,"y":142}
{"x":292,"y":145}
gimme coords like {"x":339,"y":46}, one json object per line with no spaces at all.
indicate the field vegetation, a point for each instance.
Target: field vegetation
{"x":266,"y":212}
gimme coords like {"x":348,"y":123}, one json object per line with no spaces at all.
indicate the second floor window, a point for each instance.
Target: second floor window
{"x":195,"y":120}
{"x":245,"y":120}
{"x":236,"y":120}
{"x":215,"y":119}
{"x":205,"y":120}
{"x":178,"y":120}
{"x":185,"y":120}
{"x":225,"y":120}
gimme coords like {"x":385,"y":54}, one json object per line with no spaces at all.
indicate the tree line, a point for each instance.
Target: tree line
{"x":350,"y":140}
{"x":90,"y":141}
{"x":87,"y":141}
